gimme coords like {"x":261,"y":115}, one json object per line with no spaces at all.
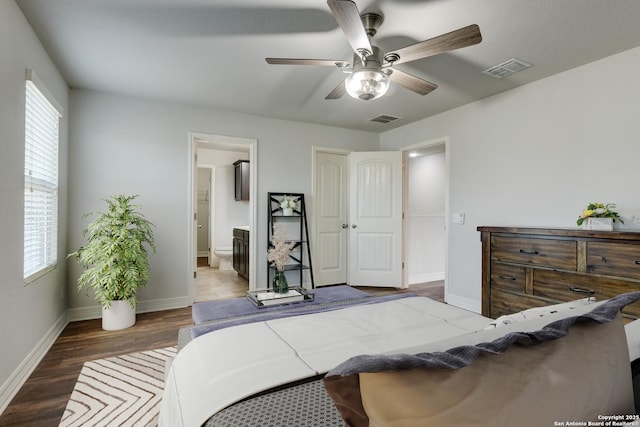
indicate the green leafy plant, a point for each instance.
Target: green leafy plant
{"x":599,"y":210}
{"x":115,"y":257}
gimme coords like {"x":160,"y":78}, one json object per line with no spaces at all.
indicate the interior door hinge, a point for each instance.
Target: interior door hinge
{"x":195,"y":274}
{"x":195,"y":216}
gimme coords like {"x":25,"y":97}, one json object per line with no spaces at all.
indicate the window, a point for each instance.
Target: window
{"x":40,"y":180}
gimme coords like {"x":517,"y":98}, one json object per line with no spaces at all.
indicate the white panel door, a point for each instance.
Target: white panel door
{"x":330,"y":257}
{"x":375,"y":213}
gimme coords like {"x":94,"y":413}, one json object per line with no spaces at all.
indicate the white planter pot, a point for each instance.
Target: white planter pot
{"x":287,"y":211}
{"x":120,"y":315}
{"x":605,"y":224}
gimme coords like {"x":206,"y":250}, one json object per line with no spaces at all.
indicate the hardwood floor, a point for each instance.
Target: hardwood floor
{"x":43,"y":398}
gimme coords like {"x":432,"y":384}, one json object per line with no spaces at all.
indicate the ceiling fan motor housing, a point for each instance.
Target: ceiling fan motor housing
{"x":367,"y":81}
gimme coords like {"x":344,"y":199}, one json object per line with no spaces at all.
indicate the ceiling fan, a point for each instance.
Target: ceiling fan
{"x":372,"y":69}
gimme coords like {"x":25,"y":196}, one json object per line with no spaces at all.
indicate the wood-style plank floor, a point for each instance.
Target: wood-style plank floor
{"x":43,"y":398}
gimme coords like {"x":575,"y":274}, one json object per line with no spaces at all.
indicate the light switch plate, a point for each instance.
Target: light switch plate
{"x":458,"y":218}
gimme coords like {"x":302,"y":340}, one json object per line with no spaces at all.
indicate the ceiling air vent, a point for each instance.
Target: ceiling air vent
{"x":383,"y":118}
{"x":507,"y":68}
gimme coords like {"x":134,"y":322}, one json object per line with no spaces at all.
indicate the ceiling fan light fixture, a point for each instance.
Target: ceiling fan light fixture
{"x":367,"y":84}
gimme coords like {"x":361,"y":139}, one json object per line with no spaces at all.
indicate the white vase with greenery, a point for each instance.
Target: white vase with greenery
{"x":115,"y":259}
{"x":288,"y":205}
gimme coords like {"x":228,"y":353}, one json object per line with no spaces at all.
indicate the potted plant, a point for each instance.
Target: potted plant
{"x":288,"y":204}
{"x":115,"y":259}
{"x":599,"y":216}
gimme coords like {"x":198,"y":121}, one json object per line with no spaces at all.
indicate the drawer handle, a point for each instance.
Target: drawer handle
{"x":522,"y":251}
{"x":504,"y":276}
{"x":638,"y":262}
{"x":582,"y":290}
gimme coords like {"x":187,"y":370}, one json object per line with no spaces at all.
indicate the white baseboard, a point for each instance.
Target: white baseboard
{"x":84,"y":313}
{"x":426,"y":277}
{"x":17,"y":379}
{"x":203,"y":253}
{"x":464,"y":303}
{"x":162,"y":304}
{"x":95,"y":312}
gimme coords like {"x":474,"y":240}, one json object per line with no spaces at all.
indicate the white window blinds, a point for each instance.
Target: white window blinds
{"x":40,"y":182}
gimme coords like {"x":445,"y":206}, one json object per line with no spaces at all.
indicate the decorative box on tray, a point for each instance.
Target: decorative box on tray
{"x":266,"y":297}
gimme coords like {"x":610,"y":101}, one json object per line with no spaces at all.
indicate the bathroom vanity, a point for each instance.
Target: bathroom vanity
{"x":241,"y":251}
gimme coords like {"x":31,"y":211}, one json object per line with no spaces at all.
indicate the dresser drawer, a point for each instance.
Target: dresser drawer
{"x":507,"y":277}
{"x":549,"y":253}
{"x":557,"y":286}
{"x":614,"y":259}
{"x":508,"y":303}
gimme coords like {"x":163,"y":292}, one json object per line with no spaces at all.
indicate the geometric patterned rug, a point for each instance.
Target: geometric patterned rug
{"x":119,"y":391}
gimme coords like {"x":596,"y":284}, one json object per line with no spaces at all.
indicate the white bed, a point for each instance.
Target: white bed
{"x":571,"y":360}
{"x":217,"y":369}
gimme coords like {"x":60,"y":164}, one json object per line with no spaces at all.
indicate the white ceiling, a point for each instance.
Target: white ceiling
{"x":211,"y":52}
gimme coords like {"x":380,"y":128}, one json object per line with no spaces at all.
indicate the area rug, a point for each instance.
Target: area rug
{"x":119,"y":391}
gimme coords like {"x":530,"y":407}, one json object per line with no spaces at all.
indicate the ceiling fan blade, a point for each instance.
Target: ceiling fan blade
{"x":462,"y":37}
{"x":412,"y":83}
{"x":338,"y":92}
{"x":348,"y":17}
{"x":294,"y":61}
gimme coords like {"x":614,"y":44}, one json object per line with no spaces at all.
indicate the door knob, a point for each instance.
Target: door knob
{"x":353,"y":226}
{"x":345,"y":225}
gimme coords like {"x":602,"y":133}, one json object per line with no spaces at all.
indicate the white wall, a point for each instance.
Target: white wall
{"x":32,"y":315}
{"x":535,"y":156}
{"x":425,"y":216}
{"x":120,"y":144}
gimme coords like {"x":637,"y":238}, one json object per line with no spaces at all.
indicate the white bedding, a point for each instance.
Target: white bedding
{"x":217,"y":369}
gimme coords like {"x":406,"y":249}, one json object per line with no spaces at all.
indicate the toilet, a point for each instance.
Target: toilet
{"x":224,"y":254}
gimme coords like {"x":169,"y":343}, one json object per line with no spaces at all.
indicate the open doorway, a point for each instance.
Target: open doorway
{"x":216,"y":214}
{"x":426,"y":195}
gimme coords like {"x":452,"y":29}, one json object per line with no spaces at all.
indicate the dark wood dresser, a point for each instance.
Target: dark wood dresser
{"x":532,"y":267}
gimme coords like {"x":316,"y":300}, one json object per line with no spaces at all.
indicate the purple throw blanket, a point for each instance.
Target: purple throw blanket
{"x":288,"y":311}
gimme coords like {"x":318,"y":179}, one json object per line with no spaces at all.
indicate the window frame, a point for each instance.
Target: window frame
{"x":41,"y":179}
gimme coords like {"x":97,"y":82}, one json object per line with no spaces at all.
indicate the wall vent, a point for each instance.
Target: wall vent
{"x":507,"y":68}
{"x":384,"y":118}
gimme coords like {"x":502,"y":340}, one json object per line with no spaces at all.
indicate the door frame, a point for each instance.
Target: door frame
{"x":405,"y":201}
{"x":192,"y":170}
{"x":315,"y":209}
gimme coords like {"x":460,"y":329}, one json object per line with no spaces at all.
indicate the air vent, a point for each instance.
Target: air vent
{"x":383,"y":118}
{"x":507,"y":68}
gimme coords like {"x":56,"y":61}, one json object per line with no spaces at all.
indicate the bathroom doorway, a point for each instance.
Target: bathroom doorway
{"x":217,"y":213}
